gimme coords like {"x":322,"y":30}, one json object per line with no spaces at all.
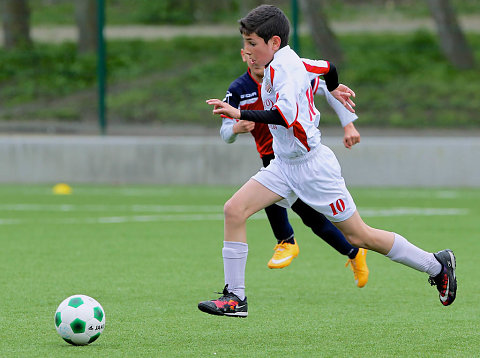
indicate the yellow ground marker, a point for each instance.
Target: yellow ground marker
{"x":62,"y":189}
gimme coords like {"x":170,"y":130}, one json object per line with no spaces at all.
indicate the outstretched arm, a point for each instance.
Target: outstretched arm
{"x":220,"y":107}
{"x":329,"y":73}
{"x":351,"y":136}
{"x":257,"y":116}
{"x":339,"y":91}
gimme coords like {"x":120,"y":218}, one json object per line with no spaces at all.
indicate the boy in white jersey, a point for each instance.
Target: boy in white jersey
{"x":245,"y":93}
{"x":303,"y":167}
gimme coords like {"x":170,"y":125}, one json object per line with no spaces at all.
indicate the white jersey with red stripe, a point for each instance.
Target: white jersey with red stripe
{"x":319,"y":87}
{"x":287,"y":87}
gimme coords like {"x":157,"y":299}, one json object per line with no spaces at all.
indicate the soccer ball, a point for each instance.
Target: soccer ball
{"x":79,"y":320}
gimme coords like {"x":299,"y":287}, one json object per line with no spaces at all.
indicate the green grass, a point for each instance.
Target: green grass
{"x":149,"y":254}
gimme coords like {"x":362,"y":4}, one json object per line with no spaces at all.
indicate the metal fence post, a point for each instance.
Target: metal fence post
{"x":101,"y":67}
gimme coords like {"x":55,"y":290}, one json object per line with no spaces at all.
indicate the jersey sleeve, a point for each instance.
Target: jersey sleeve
{"x":226,"y":130}
{"x":315,"y":68}
{"x":314,"y":83}
{"x":343,"y":114}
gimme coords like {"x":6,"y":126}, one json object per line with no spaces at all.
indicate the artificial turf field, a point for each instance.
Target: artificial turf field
{"x":149,"y":254}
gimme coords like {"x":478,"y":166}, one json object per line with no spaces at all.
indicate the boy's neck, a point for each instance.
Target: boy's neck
{"x":274,"y":53}
{"x":255,"y":76}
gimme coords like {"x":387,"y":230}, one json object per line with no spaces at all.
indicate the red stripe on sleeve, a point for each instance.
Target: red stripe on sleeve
{"x":317,"y":69}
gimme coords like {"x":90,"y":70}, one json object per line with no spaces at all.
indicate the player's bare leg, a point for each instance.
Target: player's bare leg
{"x":360,"y":234}
{"x":249,"y":199}
{"x":440,"y":266}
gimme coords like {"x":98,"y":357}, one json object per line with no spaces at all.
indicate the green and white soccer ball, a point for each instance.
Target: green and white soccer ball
{"x":79,"y":320}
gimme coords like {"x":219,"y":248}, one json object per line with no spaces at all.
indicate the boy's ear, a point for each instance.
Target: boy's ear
{"x":276,"y":42}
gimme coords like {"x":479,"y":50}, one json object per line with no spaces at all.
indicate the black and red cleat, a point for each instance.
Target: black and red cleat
{"x":227,"y":305}
{"x":446,"y":281}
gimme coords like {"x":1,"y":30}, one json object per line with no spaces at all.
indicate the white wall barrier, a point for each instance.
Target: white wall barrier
{"x":376,"y":161}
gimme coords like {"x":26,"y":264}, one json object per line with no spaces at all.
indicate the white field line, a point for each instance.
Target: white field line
{"x":106,"y":208}
{"x":109,"y":191}
{"x":412,"y":193}
{"x":187,"y":213}
{"x":9,"y":221}
{"x":412,"y":212}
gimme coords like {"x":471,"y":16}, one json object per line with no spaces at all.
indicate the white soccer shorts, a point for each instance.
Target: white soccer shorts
{"x":315,"y":178}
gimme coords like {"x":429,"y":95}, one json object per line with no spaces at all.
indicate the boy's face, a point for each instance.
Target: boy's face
{"x":255,"y":69}
{"x":259,"y":52}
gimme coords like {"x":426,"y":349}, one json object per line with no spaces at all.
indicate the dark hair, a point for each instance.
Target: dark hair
{"x":266,"y":21}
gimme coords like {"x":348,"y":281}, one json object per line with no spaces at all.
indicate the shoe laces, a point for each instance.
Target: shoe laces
{"x":282,"y":245}
{"x":353,"y":265}
{"x":280,"y":249}
{"x":225,"y":291}
{"x":351,"y":262}
{"x":439,"y":281}
{"x":226,"y":295}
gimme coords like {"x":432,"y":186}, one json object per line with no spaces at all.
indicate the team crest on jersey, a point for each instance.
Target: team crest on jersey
{"x":268,"y":87}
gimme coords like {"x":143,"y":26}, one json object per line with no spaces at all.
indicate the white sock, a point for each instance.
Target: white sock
{"x":408,"y":254}
{"x":234,"y":261}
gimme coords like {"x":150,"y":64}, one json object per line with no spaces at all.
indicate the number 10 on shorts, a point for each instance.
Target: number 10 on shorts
{"x":338,"y":206}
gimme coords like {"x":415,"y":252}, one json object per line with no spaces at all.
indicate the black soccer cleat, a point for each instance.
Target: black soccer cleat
{"x":227,"y":305}
{"x":446,"y":280}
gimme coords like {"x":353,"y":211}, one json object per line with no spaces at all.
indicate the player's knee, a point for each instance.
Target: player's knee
{"x":361,"y":238}
{"x":355,"y":240}
{"x":233,"y":212}
{"x":357,"y":232}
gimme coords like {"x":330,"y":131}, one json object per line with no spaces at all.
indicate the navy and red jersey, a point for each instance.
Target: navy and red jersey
{"x":245,"y":93}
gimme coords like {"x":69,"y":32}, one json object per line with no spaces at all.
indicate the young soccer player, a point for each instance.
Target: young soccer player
{"x":245,"y":93}
{"x":302,"y":168}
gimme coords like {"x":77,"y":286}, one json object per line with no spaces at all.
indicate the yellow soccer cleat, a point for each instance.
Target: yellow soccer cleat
{"x":283,"y":255}
{"x":359,"y":267}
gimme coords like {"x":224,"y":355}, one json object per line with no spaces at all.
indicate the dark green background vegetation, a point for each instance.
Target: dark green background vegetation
{"x":400,"y":80}
{"x":121,"y":12}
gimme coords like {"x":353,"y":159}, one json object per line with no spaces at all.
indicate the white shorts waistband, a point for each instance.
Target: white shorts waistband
{"x":302,"y":158}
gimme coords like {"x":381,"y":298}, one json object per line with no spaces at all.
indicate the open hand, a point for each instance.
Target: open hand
{"x":344,"y":94}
